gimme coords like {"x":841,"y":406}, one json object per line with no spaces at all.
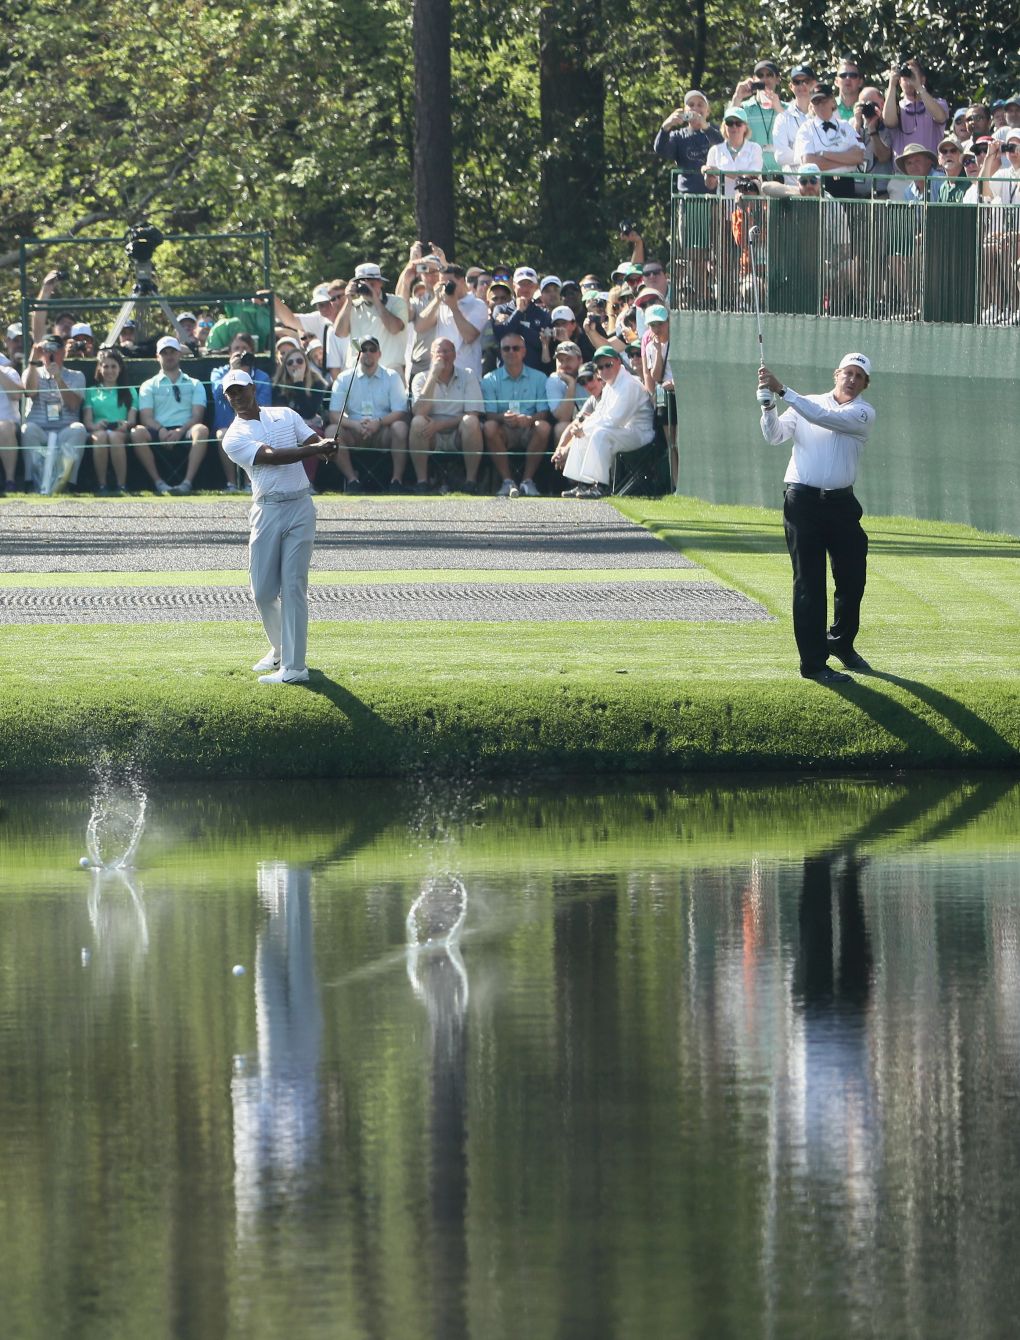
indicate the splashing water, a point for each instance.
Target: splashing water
{"x":116,"y":823}
{"x":437,"y":914}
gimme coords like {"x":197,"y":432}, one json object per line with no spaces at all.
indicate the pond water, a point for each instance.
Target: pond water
{"x":701,"y":1059}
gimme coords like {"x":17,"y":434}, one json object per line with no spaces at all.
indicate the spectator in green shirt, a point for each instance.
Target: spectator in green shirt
{"x":109,"y":414}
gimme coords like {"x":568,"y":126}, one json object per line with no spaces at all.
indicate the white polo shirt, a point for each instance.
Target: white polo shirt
{"x":827,"y":437}
{"x":275,"y":427}
{"x":833,"y":137}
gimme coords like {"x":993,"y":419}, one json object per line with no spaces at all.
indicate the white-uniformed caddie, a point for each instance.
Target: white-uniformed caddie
{"x":269,"y":444}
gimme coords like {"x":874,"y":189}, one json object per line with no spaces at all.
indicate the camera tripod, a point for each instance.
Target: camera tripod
{"x":144,"y":295}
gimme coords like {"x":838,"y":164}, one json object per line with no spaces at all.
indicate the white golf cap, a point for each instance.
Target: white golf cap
{"x":168,"y":342}
{"x":525,"y":272}
{"x":14,"y":331}
{"x":236,"y":378}
{"x":320,"y":293}
{"x":187,"y":316}
{"x":81,"y":328}
{"x":563,"y":313}
{"x":551,"y":279}
{"x":861,"y":361}
{"x":368,"y":270}
{"x":283,"y":340}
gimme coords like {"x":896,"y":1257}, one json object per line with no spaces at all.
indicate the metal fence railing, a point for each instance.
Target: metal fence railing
{"x":877,"y":259}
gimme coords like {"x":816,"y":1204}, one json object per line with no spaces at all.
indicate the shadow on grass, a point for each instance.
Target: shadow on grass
{"x":377,"y":741}
{"x":907,"y":725}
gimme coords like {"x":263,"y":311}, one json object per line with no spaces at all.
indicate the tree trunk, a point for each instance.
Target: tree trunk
{"x":433,"y":131}
{"x":572,"y":97}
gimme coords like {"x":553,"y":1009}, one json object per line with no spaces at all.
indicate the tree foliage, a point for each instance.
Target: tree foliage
{"x":297,"y":118}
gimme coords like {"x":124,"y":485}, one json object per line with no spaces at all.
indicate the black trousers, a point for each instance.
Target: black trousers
{"x":817,"y":525}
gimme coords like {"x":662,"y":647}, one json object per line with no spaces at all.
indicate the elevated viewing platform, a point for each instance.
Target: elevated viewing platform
{"x":931,"y":292}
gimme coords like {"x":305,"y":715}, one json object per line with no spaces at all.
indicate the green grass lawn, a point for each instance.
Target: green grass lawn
{"x":941,"y":624}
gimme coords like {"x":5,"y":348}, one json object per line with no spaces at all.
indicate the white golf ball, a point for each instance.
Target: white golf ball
{"x":238,"y":970}
{"x":85,"y":863}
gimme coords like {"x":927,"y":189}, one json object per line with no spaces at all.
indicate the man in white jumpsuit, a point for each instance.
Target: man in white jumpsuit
{"x":270,"y":444}
{"x":623,"y":420}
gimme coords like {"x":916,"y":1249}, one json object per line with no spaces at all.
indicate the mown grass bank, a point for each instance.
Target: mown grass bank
{"x":941,"y":626}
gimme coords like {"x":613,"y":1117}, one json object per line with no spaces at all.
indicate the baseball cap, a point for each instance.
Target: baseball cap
{"x":950,"y":140}
{"x":551,"y":279}
{"x":368,"y":270}
{"x":14,"y":330}
{"x":320,"y":293}
{"x":1012,"y":133}
{"x":284,"y":340}
{"x":369,"y":342}
{"x":81,"y":328}
{"x":168,"y":342}
{"x":768,"y":66}
{"x":694,"y":93}
{"x":187,"y":316}
{"x":236,"y":377}
{"x":569,"y":283}
{"x":499,"y":284}
{"x":525,"y":272}
{"x":735,"y":114}
{"x":129,"y":324}
{"x":1012,"y":101}
{"x":861,"y":361}
{"x":646,"y":296}
{"x":657,"y":313}
{"x":821,"y":92}
{"x":586,"y":372}
{"x":606,"y":351}
{"x":802,"y":72}
{"x":563,"y":313}
{"x":568,"y":347}
{"x":809,"y":170}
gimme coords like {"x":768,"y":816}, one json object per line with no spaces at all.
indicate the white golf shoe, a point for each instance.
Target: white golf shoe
{"x":271,"y":661}
{"x":282,"y":676}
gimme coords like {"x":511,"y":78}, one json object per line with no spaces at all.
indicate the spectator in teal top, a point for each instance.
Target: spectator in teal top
{"x":172,"y":406}
{"x":516,"y":417}
{"x":760,"y":99}
{"x":109,"y":413}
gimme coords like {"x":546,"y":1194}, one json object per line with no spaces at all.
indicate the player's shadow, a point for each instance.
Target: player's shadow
{"x":376,"y":738}
{"x":908,"y":725}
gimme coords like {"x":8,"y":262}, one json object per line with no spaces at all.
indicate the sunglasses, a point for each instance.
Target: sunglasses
{"x":295,"y":362}
{"x":605,"y":364}
{"x":735,"y":123}
{"x":969,"y":160}
{"x":177,"y":392}
{"x":848,"y":74}
{"x":512,"y":348}
{"x":587,"y":381}
{"x":797,"y":82}
{"x":656,"y":270}
{"x":368,"y":348}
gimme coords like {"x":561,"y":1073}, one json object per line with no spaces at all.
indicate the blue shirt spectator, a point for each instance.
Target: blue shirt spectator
{"x":525,"y":394}
{"x":372,"y":396}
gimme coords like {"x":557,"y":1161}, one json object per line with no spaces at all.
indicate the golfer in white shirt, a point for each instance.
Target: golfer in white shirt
{"x":270,"y":444}
{"x":821,"y":515}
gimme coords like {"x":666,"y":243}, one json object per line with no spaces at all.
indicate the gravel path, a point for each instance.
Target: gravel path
{"x":584,"y":602}
{"x":511,"y":534}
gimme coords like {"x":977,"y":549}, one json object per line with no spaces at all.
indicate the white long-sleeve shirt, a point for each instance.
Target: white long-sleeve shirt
{"x":827,"y":437}
{"x":784,"y":137}
{"x":625,"y":404}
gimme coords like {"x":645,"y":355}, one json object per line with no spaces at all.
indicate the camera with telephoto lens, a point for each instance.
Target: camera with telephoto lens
{"x":627,"y":226}
{"x":869,"y":110}
{"x":450,"y":287}
{"x":906,"y":71}
{"x":363,"y":290}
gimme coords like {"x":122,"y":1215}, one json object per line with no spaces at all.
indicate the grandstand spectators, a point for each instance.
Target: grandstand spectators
{"x":446,"y":409}
{"x":110,"y":413}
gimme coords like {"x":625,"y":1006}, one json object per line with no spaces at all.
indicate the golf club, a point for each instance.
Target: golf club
{"x":765,"y":396}
{"x":356,"y":346}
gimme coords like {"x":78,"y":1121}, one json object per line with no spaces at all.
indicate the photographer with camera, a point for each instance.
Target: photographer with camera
{"x":318,"y":324}
{"x":368,"y":312}
{"x":685,"y":138}
{"x":455,"y":314}
{"x":417,"y":285}
{"x":81,"y":343}
{"x":760,"y":100}
{"x":877,"y":141}
{"x":54,"y":407}
{"x":913,"y":117}
{"x":61,"y":325}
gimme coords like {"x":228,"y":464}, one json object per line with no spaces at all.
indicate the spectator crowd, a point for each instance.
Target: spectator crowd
{"x":503,"y":370}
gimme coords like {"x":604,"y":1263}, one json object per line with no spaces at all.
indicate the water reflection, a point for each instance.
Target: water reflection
{"x":275,"y":1094}
{"x":731,"y":1061}
{"x":439,"y":980}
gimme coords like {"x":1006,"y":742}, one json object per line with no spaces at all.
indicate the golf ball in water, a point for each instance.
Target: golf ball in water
{"x":84,"y":862}
{"x":238,"y":969}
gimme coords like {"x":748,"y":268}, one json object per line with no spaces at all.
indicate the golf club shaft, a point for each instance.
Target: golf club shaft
{"x":752,"y":237}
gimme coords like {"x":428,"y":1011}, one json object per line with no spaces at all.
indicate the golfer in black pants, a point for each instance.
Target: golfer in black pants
{"x":820,"y":513}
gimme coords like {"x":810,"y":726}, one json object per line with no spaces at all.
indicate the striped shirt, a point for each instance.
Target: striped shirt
{"x":275,"y":427}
